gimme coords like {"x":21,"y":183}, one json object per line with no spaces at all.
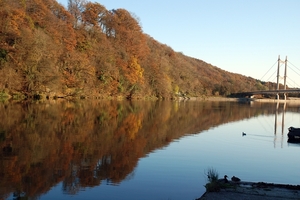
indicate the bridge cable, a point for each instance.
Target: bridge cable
{"x":292,"y":84}
{"x":295,"y":71}
{"x":293,"y":65}
{"x":271,"y":76}
{"x":268,"y":70}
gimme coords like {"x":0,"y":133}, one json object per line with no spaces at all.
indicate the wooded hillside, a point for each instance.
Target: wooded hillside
{"x":88,"y":51}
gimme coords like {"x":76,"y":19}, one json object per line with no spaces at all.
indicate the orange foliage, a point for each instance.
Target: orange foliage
{"x":94,"y":14}
{"x":88,"y":51}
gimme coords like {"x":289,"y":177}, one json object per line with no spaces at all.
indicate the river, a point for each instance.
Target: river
{"x":141,"y":149}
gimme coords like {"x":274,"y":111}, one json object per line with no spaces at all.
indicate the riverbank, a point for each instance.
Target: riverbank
{"x":257,"y":191}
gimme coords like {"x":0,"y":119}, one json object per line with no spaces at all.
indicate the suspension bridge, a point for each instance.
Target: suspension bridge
{"x":283,"y":90}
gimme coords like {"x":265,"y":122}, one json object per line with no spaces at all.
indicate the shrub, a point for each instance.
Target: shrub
{"x":212,"y":184}
{"x":212,"y":175}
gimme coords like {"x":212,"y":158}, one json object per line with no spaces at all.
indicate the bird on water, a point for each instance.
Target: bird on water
{"x":243,"y":134}
{"x":235,"y":179}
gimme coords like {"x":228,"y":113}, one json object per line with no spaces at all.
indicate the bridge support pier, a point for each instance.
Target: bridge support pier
{"x":284,"y":96}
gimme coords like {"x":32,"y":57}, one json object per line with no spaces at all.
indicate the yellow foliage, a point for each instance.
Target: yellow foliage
{"x":176,"y":89}
{"x":135,"y":71}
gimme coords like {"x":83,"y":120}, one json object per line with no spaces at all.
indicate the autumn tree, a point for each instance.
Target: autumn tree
{"x":124,"y":28}
{"x":94,"y":15}
{"x":38,"y":64}
{"x":76,"y":8}
{"x":125,"y":33}
{"x":40,"y":68}
{"x":12,"y":22}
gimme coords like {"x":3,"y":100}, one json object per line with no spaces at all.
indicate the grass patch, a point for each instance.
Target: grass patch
{"x":212,"y":175}
{"x":214,"y":184}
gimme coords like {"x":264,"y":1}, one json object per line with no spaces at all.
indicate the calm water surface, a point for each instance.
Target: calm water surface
{"x":141,"y":150}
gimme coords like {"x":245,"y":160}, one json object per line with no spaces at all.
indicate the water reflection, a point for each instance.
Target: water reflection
{"x":91,"y":143}
{"x":282,"y":124}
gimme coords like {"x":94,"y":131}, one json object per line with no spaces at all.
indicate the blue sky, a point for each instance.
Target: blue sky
{"x":239,"y":36}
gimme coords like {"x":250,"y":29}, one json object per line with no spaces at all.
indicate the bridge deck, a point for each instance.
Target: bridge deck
{"x":281,"y":91}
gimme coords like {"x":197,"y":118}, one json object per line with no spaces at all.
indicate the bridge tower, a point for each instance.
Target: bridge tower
{"x":284,"y":77}
{"x":285,"y":67}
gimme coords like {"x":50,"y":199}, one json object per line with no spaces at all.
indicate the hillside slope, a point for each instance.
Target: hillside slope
{"x":90,"y":52}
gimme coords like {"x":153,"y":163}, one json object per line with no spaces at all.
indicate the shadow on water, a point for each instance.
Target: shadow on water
{"x":89,"y":143}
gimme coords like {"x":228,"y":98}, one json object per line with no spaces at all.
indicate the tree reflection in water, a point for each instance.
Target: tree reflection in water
{"x":83,"y":144}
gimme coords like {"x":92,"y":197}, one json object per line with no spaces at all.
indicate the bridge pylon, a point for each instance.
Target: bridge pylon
{"x":284,"y":77}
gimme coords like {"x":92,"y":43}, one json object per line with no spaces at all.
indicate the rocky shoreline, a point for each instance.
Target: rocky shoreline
{"x":257,"y":191}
